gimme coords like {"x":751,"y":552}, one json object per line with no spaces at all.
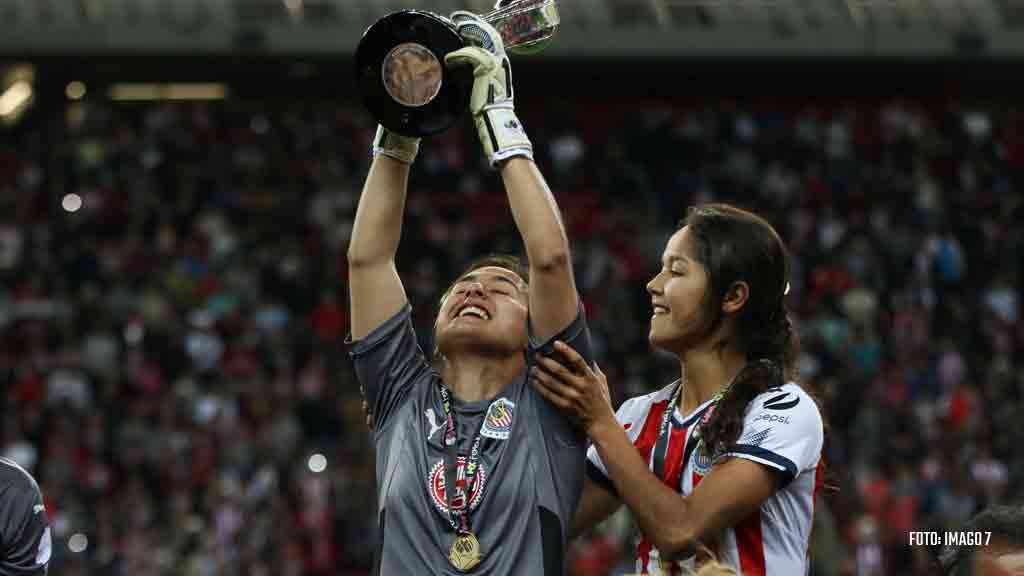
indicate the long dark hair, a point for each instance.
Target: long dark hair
{"x":735,"y":245}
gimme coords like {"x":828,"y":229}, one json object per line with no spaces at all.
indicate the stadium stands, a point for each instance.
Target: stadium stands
{"x":172,"y":307}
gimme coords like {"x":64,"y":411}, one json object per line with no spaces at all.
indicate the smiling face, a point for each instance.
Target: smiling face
{"x":485,"y":312}
{"x":678,"y":296}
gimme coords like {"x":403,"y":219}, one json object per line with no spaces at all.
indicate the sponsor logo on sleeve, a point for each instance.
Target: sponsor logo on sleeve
{"x":783,"y":401}
{"x":772,"y":419}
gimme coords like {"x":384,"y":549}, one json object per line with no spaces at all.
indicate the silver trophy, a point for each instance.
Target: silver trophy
{"x":400,"y":62}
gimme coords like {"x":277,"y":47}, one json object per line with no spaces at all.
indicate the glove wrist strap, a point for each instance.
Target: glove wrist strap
{"x":502,"y":133}
{"x":393,"y":145}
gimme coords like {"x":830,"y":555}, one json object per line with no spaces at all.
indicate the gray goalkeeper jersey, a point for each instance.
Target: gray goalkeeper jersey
{"x":532,"y":462}
{"x":24,"y":528}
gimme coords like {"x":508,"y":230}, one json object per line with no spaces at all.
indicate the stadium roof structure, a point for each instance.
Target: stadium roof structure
{"x":621,"y":29}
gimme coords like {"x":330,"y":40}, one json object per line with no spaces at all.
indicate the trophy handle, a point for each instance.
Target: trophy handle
{"x":525,"y":26}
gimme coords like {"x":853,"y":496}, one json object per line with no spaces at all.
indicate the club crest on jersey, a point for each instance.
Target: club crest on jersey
{"x":701,"y":461}
{"x":460,"y":499}
{"x":498,"y":422}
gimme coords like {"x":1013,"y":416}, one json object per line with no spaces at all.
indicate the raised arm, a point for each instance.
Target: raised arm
{"x":375,"y":290}
{"x":553,"y":298}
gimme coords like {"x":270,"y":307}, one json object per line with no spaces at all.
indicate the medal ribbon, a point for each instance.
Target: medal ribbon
{"x":661,"y":444}
{"x":458,"y":520}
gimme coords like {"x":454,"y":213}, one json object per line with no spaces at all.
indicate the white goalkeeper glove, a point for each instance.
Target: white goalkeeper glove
{"x":394,"y":145}
{"x":500,"y":131}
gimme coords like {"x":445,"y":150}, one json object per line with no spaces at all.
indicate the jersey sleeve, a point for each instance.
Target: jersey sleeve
{"x":630,"y":415}
{"x":783,"y":430}
{"x":563,"y":442}
{"x":388,"y":362}
{"x":576,"y":335}
{"x":25,"y":536}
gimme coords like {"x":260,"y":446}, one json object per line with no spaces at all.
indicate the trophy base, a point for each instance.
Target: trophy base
{"x":402,"y":77}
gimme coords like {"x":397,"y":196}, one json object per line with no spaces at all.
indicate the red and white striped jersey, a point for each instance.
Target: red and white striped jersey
{"x":782,"y":429}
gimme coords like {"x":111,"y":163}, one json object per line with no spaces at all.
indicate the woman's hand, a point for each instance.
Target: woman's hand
{"x":578,"y":390}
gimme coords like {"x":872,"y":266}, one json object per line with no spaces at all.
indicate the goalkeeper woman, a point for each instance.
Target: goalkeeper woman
{"x":476,"y":472}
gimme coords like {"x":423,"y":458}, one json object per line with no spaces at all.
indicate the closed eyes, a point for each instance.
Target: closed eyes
{"x":675,"y":271}
{"x":501,"y":290}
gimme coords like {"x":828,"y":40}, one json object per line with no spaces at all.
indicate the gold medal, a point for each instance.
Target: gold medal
{"x":465,"y":552}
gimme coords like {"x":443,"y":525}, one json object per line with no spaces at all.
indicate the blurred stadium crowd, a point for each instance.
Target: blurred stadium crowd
{"x":173,"y":308}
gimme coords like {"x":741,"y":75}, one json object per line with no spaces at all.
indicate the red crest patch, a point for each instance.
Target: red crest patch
{"x":435,"y":485}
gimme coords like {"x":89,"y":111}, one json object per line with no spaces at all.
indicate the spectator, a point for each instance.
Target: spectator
{"x":170,"y":349}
